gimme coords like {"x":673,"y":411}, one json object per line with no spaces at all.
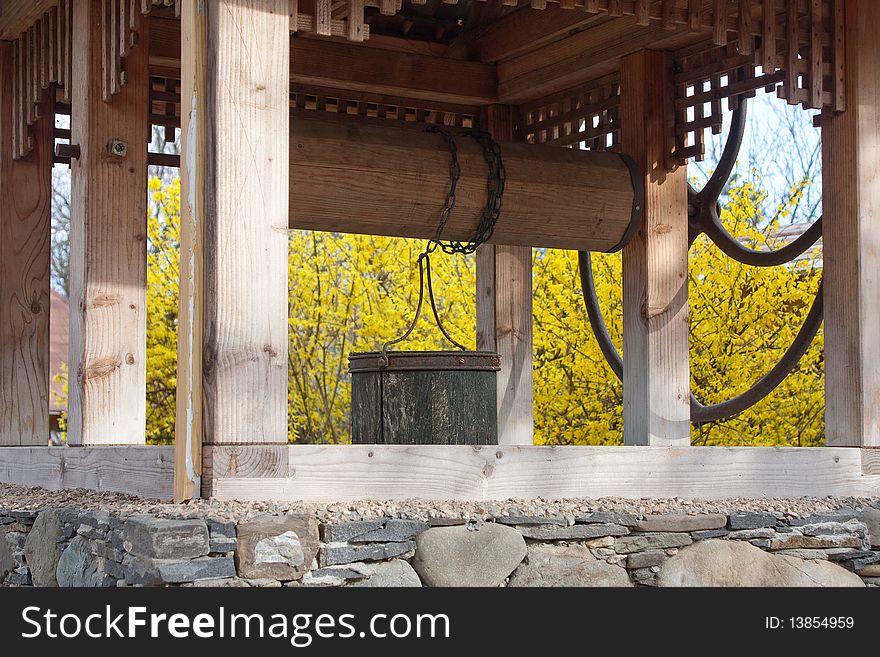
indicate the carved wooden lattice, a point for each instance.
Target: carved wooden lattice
{"x":587,"y":116}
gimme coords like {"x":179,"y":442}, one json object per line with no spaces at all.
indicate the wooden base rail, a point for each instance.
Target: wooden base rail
{"x":145,"y":471}
{"x":352,"y":472}
{"x":339,"y":473}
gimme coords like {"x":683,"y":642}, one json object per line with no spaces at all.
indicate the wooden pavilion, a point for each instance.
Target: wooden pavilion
{"x":311,"y":114}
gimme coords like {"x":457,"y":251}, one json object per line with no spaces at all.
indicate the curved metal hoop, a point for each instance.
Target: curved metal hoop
{"x":704,"y":215}
{"x":701,"y":413}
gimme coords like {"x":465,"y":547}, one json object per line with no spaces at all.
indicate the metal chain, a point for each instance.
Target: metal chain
{"x":495,"y":183}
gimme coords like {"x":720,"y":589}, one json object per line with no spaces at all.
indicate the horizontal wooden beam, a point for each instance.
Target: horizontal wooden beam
{"x":357,"y":176}
{"x":354,"y":472}
{"x":146,"y":471}
{"x":362,"y":68}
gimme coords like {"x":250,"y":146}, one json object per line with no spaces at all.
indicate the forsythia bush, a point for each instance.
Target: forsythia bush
{"x":353,"y":293}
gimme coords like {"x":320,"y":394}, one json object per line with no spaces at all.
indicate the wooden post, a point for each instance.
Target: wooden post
{"x":108,"y":257}
{"x":656,"y":409}
{"x":504,"y":313}
{"x":851,"y":201}
{"x":25,"y":215}
{"x":236,"y":191}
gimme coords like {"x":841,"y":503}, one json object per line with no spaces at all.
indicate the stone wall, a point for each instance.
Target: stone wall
{"x":74,"y":547}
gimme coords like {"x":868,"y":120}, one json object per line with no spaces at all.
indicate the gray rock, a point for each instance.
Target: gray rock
{"x":42,"y":549}
{"x":571,"y":565}
{"x":804,"y":553}
{"x":861,"y":564}
{"x":646,"y":559}
{"x":390,"y":530}
{"x":337,"y":554}
{"x":78,"y":567}
{"x":223,"y":544}
{"x":573,"y":533}
{"x":446,"y":522}
{"x":276,"y":547}
{"x":220,"y":528}
{"x":460,"y":556}
{"x":159,"y":538}
{"x":19,"y":577}
{"x":749,"y":534}
{"x":396,"y":573}
{"x":763,"y":543}
{"x":869,"y":570}
{"x":7,"y":561}
{"x":681,"y":523}
{"x":853,"y":527}
{"x":335,"y":575}
{"x":24,"y":515}
{"x":798,"y":541}
{"x":749,"y":520}
{"x":736,"y":563}
{"x":532,"y":520}
{"x":846,"y":554}
{"x":871,"y":517}
{"x":221,"y":583}
{"x":712,"y":533}
{"x":643,"y":575}
{"x":145,"y":571}
{"x":841,"y":515}
{"x":608,"y":518}
{"x":659,"y":541}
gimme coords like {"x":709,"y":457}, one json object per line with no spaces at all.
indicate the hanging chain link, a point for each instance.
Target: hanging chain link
{"x":494,"y":186}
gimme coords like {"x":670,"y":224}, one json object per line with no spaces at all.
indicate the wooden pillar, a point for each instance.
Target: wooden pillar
{"x":108,"y":258}
{"x":25,"y":220}
{"x":235,"y":176}
{"x":851,"y":203}
{"x":656,"y":409}
{"x":504,"y":313}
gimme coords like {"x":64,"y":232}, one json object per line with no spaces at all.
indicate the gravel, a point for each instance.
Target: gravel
{"x":26,"y":498}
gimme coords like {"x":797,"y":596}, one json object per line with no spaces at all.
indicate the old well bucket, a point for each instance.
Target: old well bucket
{"x":424,"y":398}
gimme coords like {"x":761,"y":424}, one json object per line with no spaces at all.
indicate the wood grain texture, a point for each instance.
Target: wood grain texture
{"x":144,"y":470}
{"x":245,"y":233}
{"x":656,"y":375}
{"x":338,"y":473}
{"x":108,"y":257}
{"x":851,"y":201}
{"x":504,"y":313}
{"x":18,"y":15}
{"x":364,"y":177}
{"x":25,"y":218}
{"x":188,"y":417}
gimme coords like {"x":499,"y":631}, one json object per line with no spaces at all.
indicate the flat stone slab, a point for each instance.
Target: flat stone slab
{"x":573,"y":533}
{"x":607,"y":518}
{"x":798,"y":541}
{"x":339,"y":554}
{"x":152,"y":572}
{"x":389,"y":530}
{"x":159,"y":538}
{"x":276,"y":547}
{"x":737,"y":563}
{"x":711,"y":533}
{"x":681,"y":523}
{"x":570,"y":565}
{"x":559,"y":521}
{"x":461,"y":556}
{"x":749,"y":520}
{"x":646,"y":559}
{"x":658,"y":541}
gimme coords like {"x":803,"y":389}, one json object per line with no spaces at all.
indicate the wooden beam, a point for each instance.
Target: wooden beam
{"x":191,"y":327}
{"x":504,"y":313}
{"x":851,"y":200}
{"x":108,"y":256}
{"x":656,"y":375}
{"x":371,"y":177}
{"x":144,"y":470}
{"x":365,"y":68}
{"x":246,"y":192}
{"x":582,"y":57}
{"x":342,"y":473}
{"x":25,"y":224}
{"x":16,"y":16}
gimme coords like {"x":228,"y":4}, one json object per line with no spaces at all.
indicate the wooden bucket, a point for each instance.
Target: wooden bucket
{"x":424,"y":398}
